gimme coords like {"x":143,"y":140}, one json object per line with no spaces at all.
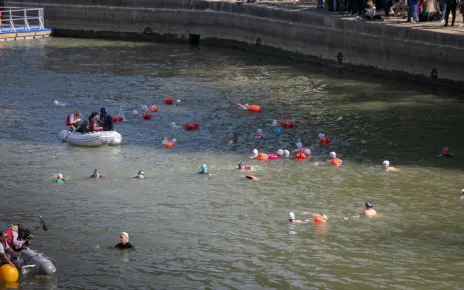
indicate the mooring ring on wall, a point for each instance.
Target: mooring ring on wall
{"x":434,"y":73}
{"x":340,"y":56}
{"x":147,"y":30}
{"x":258,"y":41}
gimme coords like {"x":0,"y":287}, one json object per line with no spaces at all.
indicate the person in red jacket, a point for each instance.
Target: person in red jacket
{"x":73,"y":119}
{"x":94,"y":125}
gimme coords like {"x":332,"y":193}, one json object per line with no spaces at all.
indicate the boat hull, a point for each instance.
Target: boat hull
{"x":93,"y":139}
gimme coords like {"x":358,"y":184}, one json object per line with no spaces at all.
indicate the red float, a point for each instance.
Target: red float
{"x":153,"y":108}
{"x":192,"y":126}
{"x":325,"y":140}
{"x":146,"y":116}
{"x":287,"y":124}
{"x":168,"y":101}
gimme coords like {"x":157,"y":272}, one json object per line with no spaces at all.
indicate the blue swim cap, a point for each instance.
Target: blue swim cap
{"x":277,"y":132}
{"x":95,"y":171}
{"x":204,"y":167}
{"x":241,"y":164}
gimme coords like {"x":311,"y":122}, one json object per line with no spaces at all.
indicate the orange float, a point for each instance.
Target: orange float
{"x":300,"y":156}
{"x":153,"y":108}
{"x":169,"y":144}
{"x":254,"y":108}
{"x":146,"y":116}
{"x":336,"y":161}
{"x":287,"y":124}
{"x":192,"y":126}
{"x":325,"y":140}
{"x":169,"y":101}
{"x":117,"y":119}
{"x":320,"y":218}
{"x":262,"y":156}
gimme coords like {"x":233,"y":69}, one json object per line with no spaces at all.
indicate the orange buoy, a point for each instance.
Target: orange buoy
{"x":254,"y":108}
{"x":325,"y":140}
{"x":169,"y":144}
{"x":169,"y":101}
{"x":262,"y":156}
{"x":146,"y":116}
{"x":336,"y":161}
{"x":320,"y":218}
{"x":300,"y":156}
{"x":287,"y":124}
{"x":191,"y":126}
{"x":153,"y":108}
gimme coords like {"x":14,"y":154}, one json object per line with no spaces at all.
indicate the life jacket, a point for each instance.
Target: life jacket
{"x":92,"y":126}
{"x":68,"y":124}
{"x":9,"y":241}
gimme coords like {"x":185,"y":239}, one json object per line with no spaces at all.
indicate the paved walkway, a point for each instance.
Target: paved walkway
{"x":308,"y":5}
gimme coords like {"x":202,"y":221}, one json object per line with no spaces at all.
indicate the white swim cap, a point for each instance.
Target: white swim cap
{"x":333,"y":154}
{"x":320,"y":135}
{"x":178,"y":101}
{"x":298,"y":144}
{"x":291,"y":216}
{"x":274,"y":123}
{"x":386,"y":163}
{"x":174,"y":140}
{"x":280,"y":152}
{"x":173,"y":123}
{"x":260,"y":131}
{"x":307,"y":152}
{"x":246,"y":105}
{"x":135,"y":112}
{"x":255,"y":152}
{"x":286,"y":153}
{"x":462,"y":191}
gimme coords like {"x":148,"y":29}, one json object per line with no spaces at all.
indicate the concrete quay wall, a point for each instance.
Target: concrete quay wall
{"x":306,"y":35}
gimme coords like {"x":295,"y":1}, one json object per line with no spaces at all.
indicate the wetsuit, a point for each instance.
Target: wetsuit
{"x":106,"y":122}
{"x":125,"y":246}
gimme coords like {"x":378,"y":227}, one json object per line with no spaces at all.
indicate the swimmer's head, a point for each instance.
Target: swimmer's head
{"x":259,"y":131}
{"x":173,"y":123}
{"x":307,"y":152}
{"x":291,"y":216}
{"x":246,"y":105}
{"x":174,"y":140}
{"x":255,"y":152}
{"x":141,"y":173}
{"x":286,"y":153}
{"x":135,"y":112}
{"x":320,"y":135}
{"x":59,"y":176}
{"x":277,"y":131}
{"x":280,"y":152}
{"x":333,"y":155}
{"x":240,"y":165}
{"x":204,"y":168}
{"x":445,"y":150}
{"x":369,"y":204}
{"x":178,"y":102}
{"x":385,"y":163}
{"x":95,"y":171}
{"x":274,"y":123}
{"x":462,"y":191}
{"x":298,"y":144}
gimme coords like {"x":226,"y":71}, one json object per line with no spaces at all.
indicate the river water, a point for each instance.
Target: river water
{"x":224,"y":231}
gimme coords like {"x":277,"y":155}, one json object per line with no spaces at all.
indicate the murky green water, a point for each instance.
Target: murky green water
{"x":223,"y":231}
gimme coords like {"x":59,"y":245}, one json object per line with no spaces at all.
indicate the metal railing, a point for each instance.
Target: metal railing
{"x":13,"y":19}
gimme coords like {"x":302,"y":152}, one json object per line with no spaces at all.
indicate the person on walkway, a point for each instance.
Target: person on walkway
{"x":124,"y":244}
{"x":443,"y":10}
{"x":412,"y":11}
{"x":450,"y":6}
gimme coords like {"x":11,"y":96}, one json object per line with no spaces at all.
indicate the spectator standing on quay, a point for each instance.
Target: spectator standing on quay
{"x":450,"y":6}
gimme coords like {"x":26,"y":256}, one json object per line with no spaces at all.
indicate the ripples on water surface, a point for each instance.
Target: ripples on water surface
{"x":223,"y":231}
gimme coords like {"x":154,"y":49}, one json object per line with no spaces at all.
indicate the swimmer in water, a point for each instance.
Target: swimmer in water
{"x":277,"y":132}
{"x":259,"y":134}
{"x":286,"y":153}
{"x":369,"y":211}
{"x":307,"y":152}
{"x":299,"y":146}
{"x":175,"y":126}
{"x":320,"y":218}
{"x":293,"y":220}
{"x":386,"y":166}
{"x":59,"y":178}
{"x":252,"y":177}
{"x":255,"y":154}
{"x":178,"y":103}
{"x":245,"y":107}
{"x":274,"y":123}
{"x":280,"y":152}
{"x":334,"y":160}
{"x":140,"y":175}
{"x":204,"y":170}
{"x":445,"y":153}
{"x":96,"y":174}
{"x":462,"y":194}
{"x":234,"y":139}
{"x":242,"y":166}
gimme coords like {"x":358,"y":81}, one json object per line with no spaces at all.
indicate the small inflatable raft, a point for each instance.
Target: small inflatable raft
{"x":91,"y":139}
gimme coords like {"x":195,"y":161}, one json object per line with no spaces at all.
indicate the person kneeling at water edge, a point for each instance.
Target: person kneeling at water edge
{"x":140,"y":174}
{"x":124,"y":244}
{"x":4,"y":248}
{"x":96,"y":174}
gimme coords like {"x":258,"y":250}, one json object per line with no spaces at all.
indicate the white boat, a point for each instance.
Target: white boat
{"x":91,"y":139}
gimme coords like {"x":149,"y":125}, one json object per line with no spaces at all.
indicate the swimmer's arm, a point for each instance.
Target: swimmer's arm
{"x":240,"y":105}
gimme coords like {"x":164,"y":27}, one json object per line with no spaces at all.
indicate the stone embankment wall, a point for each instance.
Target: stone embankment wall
{"x":307,"y":35}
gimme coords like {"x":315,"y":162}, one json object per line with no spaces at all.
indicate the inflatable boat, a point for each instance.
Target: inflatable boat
{"x":91,"y":139}
{"x":29,"y":261}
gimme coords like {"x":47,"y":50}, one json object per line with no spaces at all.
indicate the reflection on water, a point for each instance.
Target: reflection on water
{"x":223,"y":231}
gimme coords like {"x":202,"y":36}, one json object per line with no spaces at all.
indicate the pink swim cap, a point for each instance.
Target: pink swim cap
{"x":445,"y":150}
{"x":59,"y":176}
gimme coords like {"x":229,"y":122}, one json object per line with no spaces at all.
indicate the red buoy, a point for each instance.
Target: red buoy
{"x":146,"y":116}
